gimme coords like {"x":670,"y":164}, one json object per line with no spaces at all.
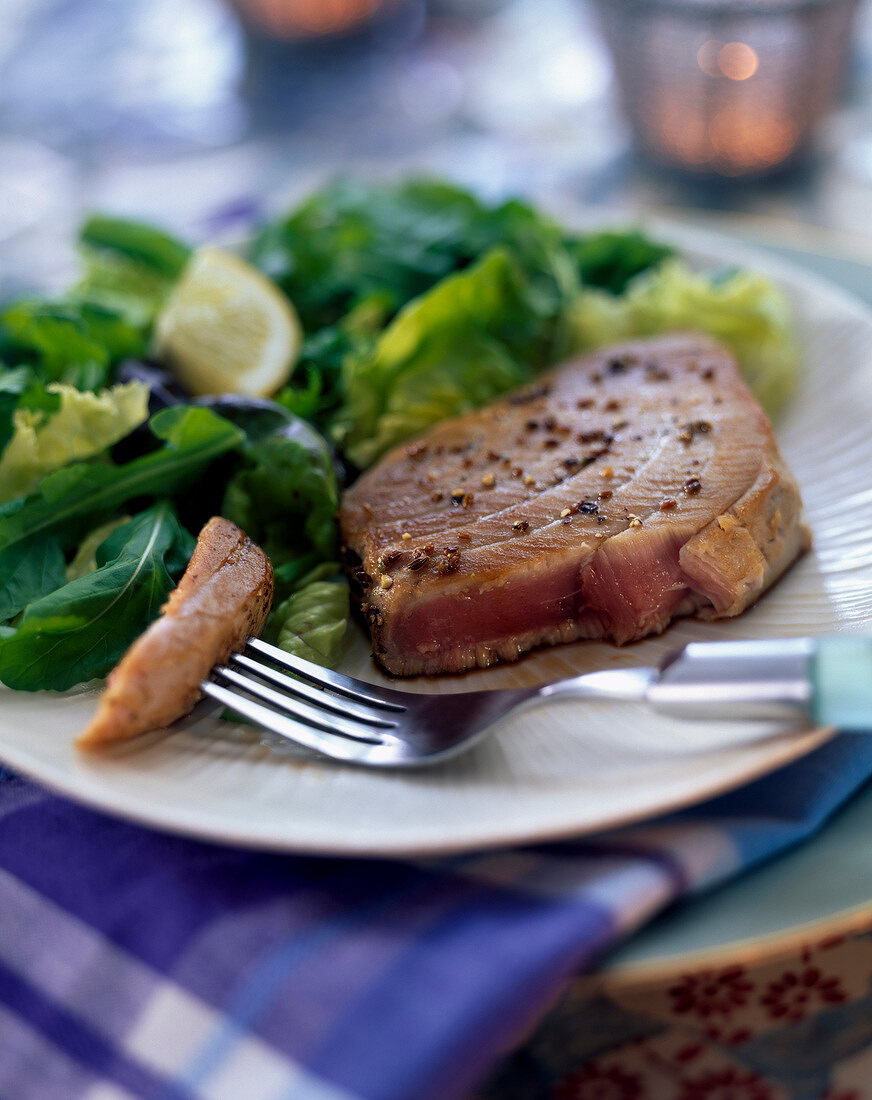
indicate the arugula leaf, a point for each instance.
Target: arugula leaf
{"x":290,"y":575}
{"x":136,"y":241}
{"x":320,"y":396}
{"x":85,"y":559}
{"x":75,"y":498}
{"x":128,"y":267}
{"x":80,"y":630}
{"x":37,"y":569}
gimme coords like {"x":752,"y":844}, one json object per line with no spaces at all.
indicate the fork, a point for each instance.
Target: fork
{"x":825,"y":680}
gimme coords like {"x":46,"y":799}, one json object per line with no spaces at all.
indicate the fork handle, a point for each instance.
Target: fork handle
{"x":828,"y":679}
{"x":841,"y":676}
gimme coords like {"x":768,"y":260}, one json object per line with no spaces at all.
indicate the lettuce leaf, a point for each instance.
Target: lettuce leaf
{"x":80,"y":630}
{"x":285,"y":497}
{"x":355,"y":253}
{"x":107,"y":317}
{"x":744,"y":310}
{"x":474,"y":336}
{"x":84,"y":425}
{"x":311,"y":621}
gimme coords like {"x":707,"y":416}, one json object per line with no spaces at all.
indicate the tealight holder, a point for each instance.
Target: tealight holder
{"x":304,"y":20}
{"x":727,"y":88}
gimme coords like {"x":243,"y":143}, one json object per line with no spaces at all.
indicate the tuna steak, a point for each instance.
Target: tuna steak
{"x":618,"y":492}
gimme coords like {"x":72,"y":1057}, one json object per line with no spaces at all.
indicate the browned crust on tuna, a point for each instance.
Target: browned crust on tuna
{"x":656,"y":548}
{"x":223,"y":598}
{"x":746,"y":549}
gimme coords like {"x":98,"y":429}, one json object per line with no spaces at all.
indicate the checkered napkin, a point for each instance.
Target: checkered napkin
{"x":134,"y":964}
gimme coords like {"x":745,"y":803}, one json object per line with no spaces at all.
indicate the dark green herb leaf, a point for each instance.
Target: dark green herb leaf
{"x":609,"y":260}
{"x":68,"y":342}
{"x":81,"y":630}
{"x":74,"y":499}
{"x":35,"y":568}
{"x":13,"y":384}
{"x":285,"y":496}
{"x":354,"y":242}
{"x":315,"y":392}
{"x":144,"y":244}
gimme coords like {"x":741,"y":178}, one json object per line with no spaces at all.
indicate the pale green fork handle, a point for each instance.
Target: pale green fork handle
{"x":841,"y":678}
{"x":827,"y":679}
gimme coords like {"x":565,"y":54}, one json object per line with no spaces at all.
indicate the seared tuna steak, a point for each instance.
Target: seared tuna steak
{"x":616,"y":493}
{"x":222,"y":600}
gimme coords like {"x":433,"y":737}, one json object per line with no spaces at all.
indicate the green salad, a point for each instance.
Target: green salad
{"x":417,"y":302}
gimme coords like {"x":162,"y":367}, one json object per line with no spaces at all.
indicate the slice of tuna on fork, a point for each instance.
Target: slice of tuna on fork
{"x":223,"y":599}
{"x":620,"y":491}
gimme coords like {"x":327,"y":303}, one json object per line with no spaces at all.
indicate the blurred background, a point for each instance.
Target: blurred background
{"x":203,"y":113}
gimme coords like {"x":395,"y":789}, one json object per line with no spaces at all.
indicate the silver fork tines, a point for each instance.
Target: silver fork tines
{"x":336,"y":704}
{"x":320,"y":741}
{"x":303,"y":712}
{"x":360,"y":723}
{"x":324,"y":677}
{"x":347,"y":719}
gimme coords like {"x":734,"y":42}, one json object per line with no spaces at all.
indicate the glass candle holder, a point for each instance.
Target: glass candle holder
{"x":299,"y":20}
{"x":727,"y":88}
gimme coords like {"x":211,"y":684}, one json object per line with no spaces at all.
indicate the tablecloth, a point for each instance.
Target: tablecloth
{"x":138,"y":964}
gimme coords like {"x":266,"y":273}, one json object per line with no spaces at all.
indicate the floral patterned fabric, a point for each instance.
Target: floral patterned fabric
{"x":775,"y":1026}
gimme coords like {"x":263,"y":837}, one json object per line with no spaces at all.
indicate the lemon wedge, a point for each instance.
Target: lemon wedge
{"x":225,"y":328}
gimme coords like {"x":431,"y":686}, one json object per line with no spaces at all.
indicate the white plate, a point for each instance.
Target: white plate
{"x":564,"y":770}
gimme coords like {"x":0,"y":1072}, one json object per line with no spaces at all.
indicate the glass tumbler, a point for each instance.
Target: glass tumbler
{"x":727,"y":88}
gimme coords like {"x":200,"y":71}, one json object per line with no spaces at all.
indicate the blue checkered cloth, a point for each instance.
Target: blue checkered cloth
{"x":136,"y":964}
